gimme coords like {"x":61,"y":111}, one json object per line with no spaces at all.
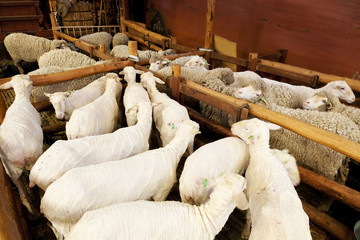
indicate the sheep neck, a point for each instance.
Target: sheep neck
{"x":259,"y":150}
{"x":145,"y":120}
{"x":178,"y":145}
{"x":217,"y":210}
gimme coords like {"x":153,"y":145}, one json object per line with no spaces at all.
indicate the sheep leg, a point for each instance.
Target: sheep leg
{"x":17,"y":63}
{"x":162,"y":193}
{"x":246,"y":231}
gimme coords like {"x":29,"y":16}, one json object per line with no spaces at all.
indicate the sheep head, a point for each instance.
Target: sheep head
{"x":249,"y":93}
{"x":21,"y":84}
{"x":58,"y":99}
{"x":254,"y":130}
{"x":341,"y":89}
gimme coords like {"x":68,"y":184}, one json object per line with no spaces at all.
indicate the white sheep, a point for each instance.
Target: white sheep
{"x":323,"y":101}
{"x":122,"y":51}
{"x":97,"y":117}
{"x":166,"y":220}
{"x":65,"y":103}
{"x":208,"y":161}
{"x":194,"y":61}
{"x":339,"y":89}
{"x":99,"y":38}
{"x":275,"y":207}
{"x":65,"y":59}
{"x":150,"y":174}
{"x":65,"y":155}
{"x":156,"y":63}
{"x":133,"y":94}
{"x":167,"y":113}
{"x":24,"y":47}
{"x":197,"y":62}
{"x":21,"y":136}
{"x":120,"y":39}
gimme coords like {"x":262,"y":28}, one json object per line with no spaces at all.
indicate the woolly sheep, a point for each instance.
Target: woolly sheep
{"x":97,"y":117}
{"x":98,"y":38}
{"x":317,"y":157}
{"x":65,"y":155}
{"x":275,"y":207}
{"x":141,"y":219}
{"x":65,"y":103}
{"x":339,"y":89}
{"x":65,"y":59}
{"x":323,"y":101}
{"x":150,"y":174}
{"x":120,"y":39}
{"x":24,"y":47}
{"x":208,"y":162}
{"x":156,"y":62}
{"x":122,"y":51}
{"x":195,"y":62}
{"x":21,"y":136}
{"x":168,"y":113}
{"x":134,"y":93}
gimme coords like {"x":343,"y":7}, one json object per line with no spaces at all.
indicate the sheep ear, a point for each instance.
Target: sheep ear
{"x":242,"y":202}
{"x":122,"y":73}
{"x":6,"y":85}
{"x":47,"y":94}
{"x":158,"y":80}
{"x":139,"y":71}
{"x":273,"y":126}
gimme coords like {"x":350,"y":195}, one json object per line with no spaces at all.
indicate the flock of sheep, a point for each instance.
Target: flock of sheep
{"x":99,"y":182}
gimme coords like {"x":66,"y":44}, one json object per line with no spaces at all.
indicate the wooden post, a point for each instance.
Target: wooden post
{"x":253,"y":57}
{"x":102,"y":48}
{"x":175,"y":81}
{"x":122,"y":16}
{"x":132,"y":46}
{"x":209,"y":31}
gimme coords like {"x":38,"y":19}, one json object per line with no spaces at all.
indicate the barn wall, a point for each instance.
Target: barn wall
{"x":320,"y":35}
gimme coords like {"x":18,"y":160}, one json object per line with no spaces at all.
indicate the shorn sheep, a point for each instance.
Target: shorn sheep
{"x":65,"y":155}
{"x":97,"y":117}
{"x":275,"y":207}
{"x":98,"y":38}
{"x":150,"y":174}
{"x":133,"y":94}
{"x":323,"y":101}
{"x":208,"y":162}
{"x":24,"y":47}
{"x":65,"y":103}
{"x":166,"y":220}
{"x":168,"y":113}
{"x":21,"y":136}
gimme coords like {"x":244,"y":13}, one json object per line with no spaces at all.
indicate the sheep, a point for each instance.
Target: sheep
{"x":65,"y":155}
{"x":156,"y":62}
{"x":24,"y":47}
{"x":141,"y":219}
{"x":97,"y":117}
{"x":167,"y":113}
{"x":339,"y":89}
{"x":21,"y":136}
{"x":98,"y":38}
{"x":63,"y":6}
{"x":121,"y":51}
{"x":65,"y":59}
{"x":195,"y":61}
{"x":65,"y":103}
{"x":317,"y":157}
{"x":120,"y":39}
{"x":150,"y":174}
{"x":323,"y":101}
{"x":134,"y":93}
{"x":208,"y":162}
{"x":275,"y":207}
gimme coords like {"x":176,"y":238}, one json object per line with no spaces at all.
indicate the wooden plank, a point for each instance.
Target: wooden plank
{"x":144,"y":30}
{"x":19,"y":3}
{"x":39,"y":80}
{"x":222,"y":57}
{"x":20,"y":18}
{"x":331,"y":225}
{"x":329,"y":139}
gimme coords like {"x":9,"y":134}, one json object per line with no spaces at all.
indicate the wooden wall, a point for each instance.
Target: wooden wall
{"x":320,"y":35}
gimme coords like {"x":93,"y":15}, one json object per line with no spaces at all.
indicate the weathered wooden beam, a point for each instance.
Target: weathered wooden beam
{"x":122,"y":15}
{"x":54,"y":128}
{"x":45,"y":79}
{"x":209,"y":31}
{"x":333,"y":189}
{"x":143,"y":30}
{"x":143,"y":42}
{"x":237,"y":61}
{"x":324,"y":221}
{"x":323,"y":78}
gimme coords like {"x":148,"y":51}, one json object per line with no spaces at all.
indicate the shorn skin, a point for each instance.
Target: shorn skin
{"x":165,"y":220}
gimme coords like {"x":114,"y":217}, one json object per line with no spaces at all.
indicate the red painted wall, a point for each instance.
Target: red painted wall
{"x":321,"y":35}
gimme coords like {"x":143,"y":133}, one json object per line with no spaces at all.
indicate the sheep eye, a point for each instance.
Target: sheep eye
{"x":342,"y":88}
